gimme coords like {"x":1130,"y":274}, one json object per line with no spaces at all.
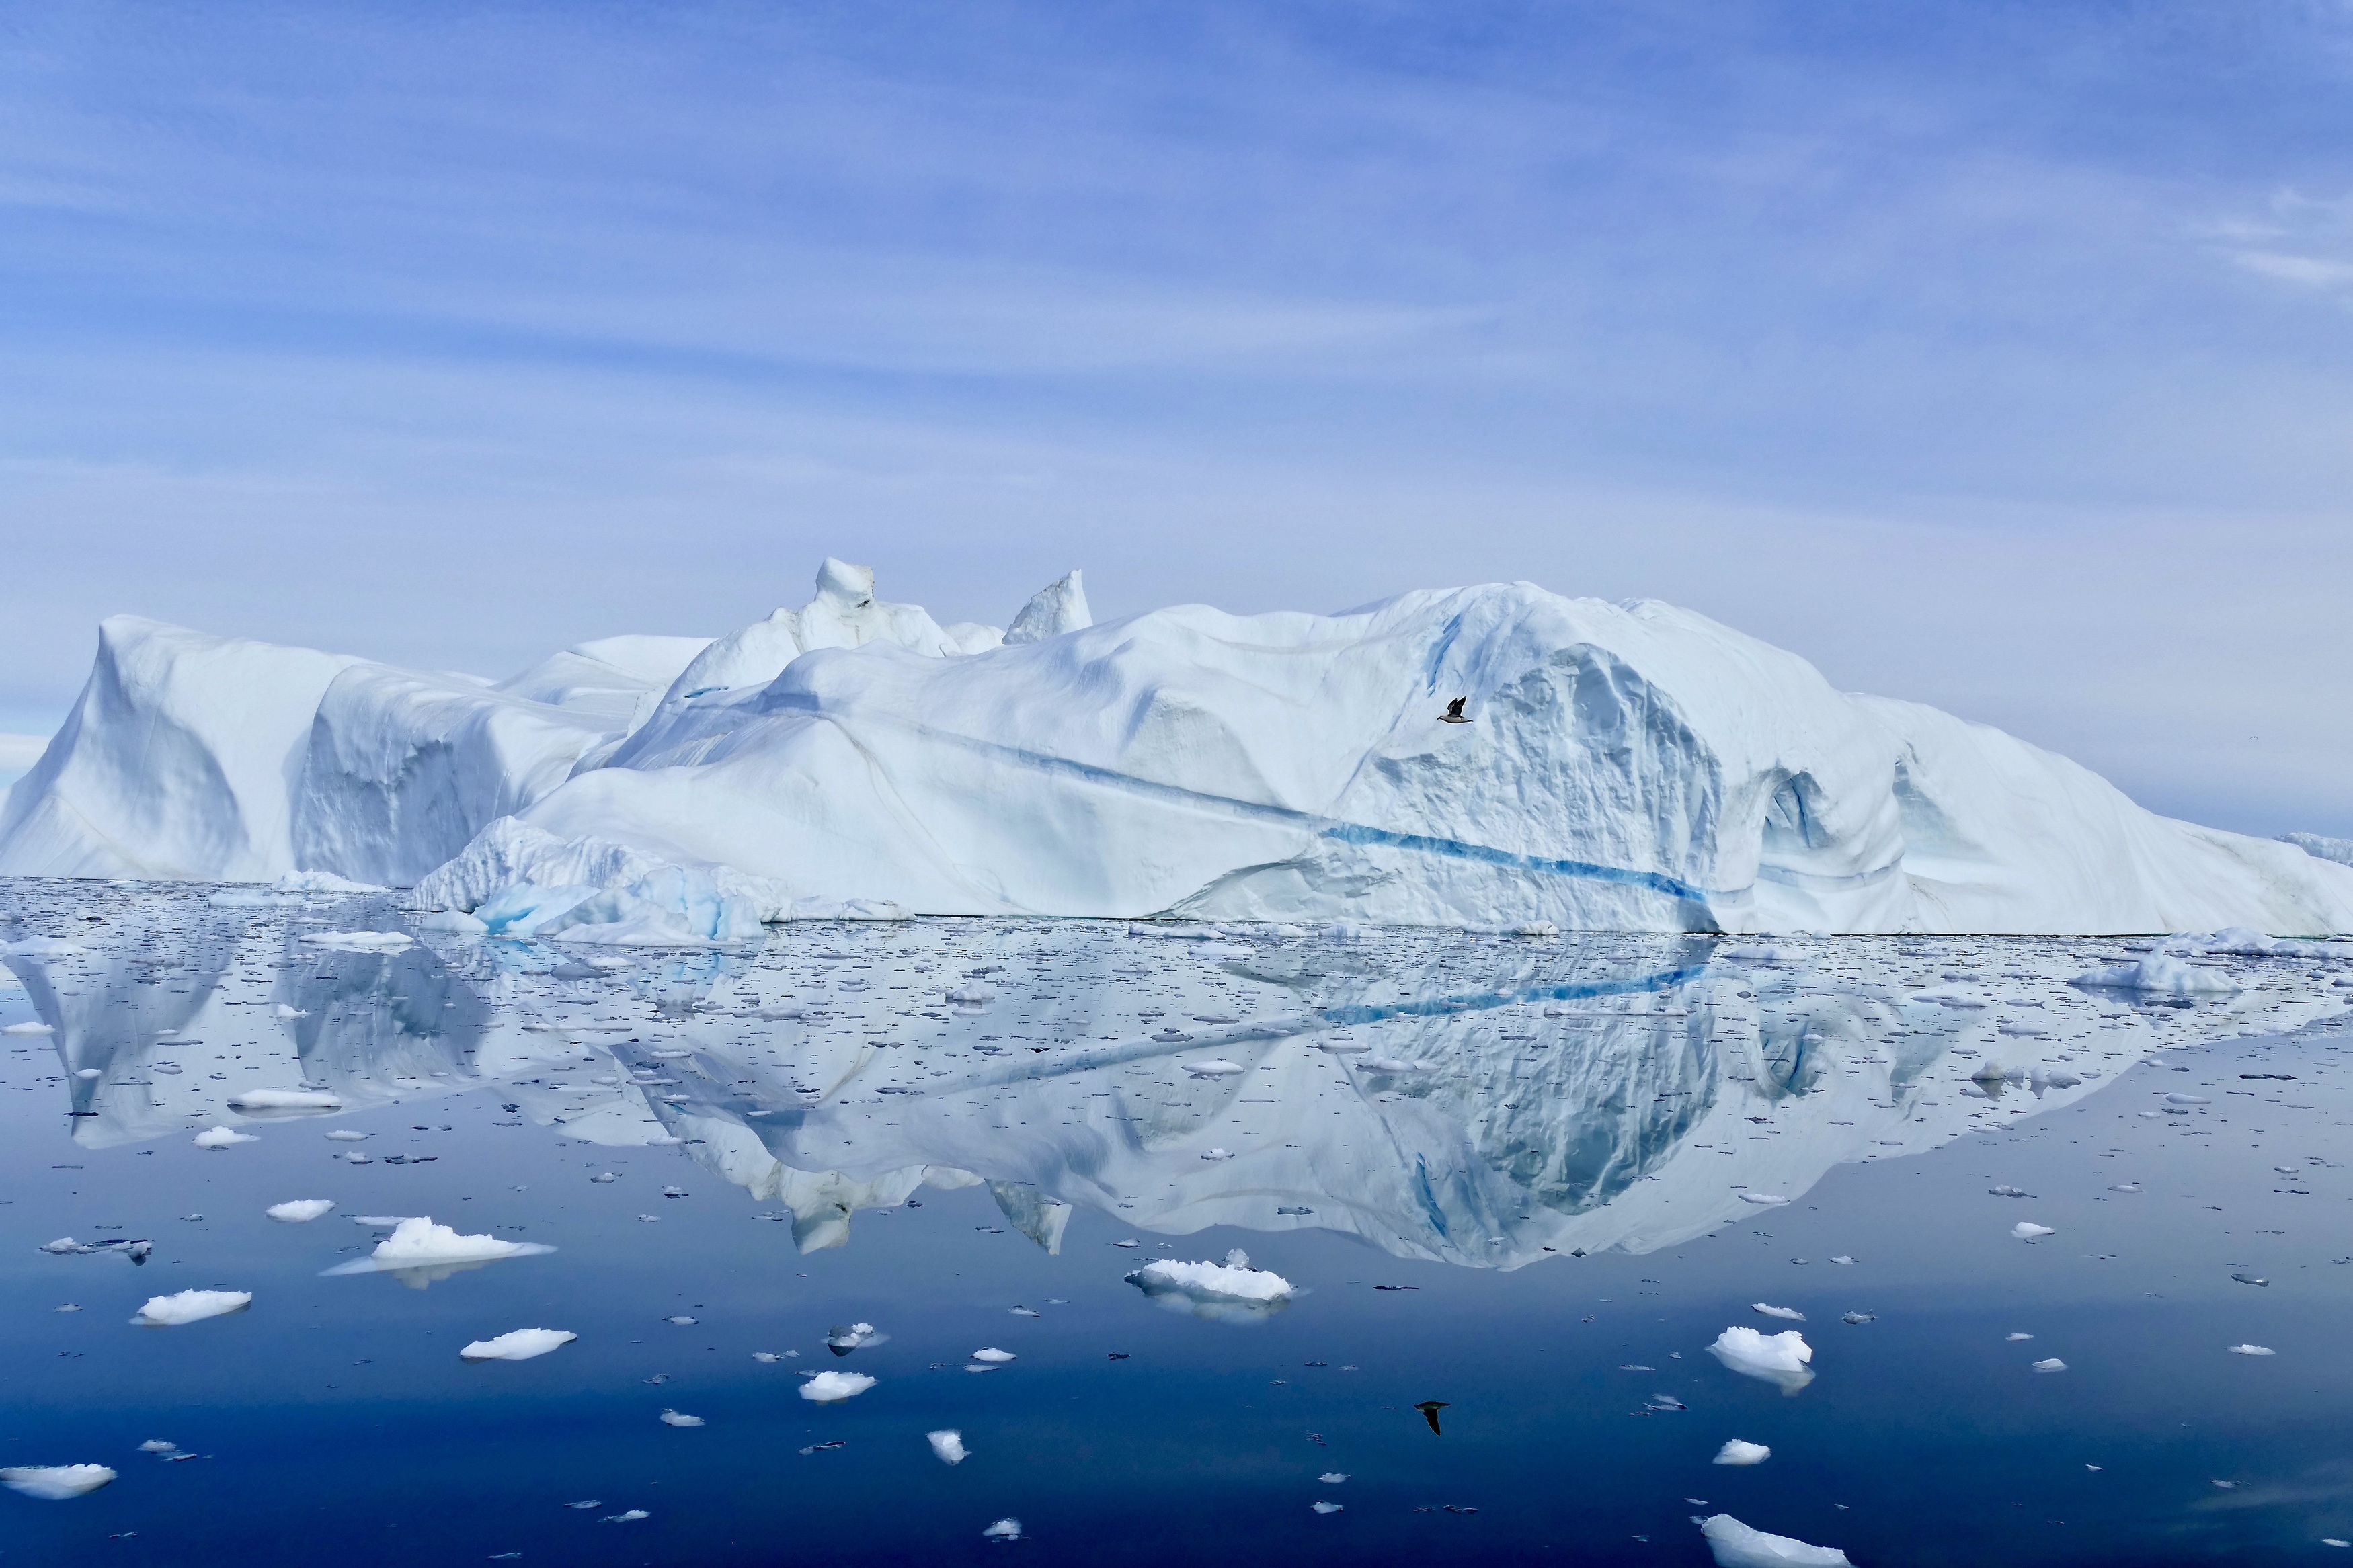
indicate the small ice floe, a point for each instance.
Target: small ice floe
{"x":675,"y":1193}
{"x":518,"y":1344}
{"x":679,"y":1321}
{"x":829,"y":1386}
{"x":362,"y":940}
{"x":158,"y":1445}
{"x":631,"y":1516}
{"x":2050,"y":1363}
{"x":2007,"y":1191}
{"x":977,"y":993}
{"x":1843,"y":1258}
{"x":223,"y":1138}
{"x":417,"y":1243}
{"x":1233,"y":1291}
{"x":1003,"y":1530}
{"x":54,"y":1483}
{"x":299,"y":1211}
{"x":1029,"y":1311}
{"x":89,"y":1072}
{"x":2187,"y":1100}
{"x":2125,"y":1187}
{"x":2250,"y":1278}
{"x":1778,"y":1359}
{"x":1791,"y":1313}
{"x":1217,"y":1153}
{"x":2253,"y":1350}
{"x":285,"y":1099}
{"x":1737,"y":1545}
{"x":605,"y":1178}
{"x":1325,"y":1505}
{"x":2026,"y":1230}
{"x":1216,"y":1066}
{"x":843,"y":1338}
{"x":33,"y":1029}
{"x":947,"y":1445}
{"x":1332,"y":1478}
{"x":1738,"y":1452}
{"x":1130,"y":1241}
{"x":1860,"y":1317}
{"x":1764,"y":1200}
{"x":344,"y":1135}
{"x":2014,"y":1339}
{"x":288,"y":1014}
{"x":356,"y":1158}
{"x":766,"y":1358}
{"x":1392,"y":1064}
{"x":189,"y":1307}
{"x":680,"y":1418}
{"x":992,"y":1356}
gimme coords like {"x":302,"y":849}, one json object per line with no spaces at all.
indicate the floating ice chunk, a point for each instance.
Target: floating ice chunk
{"x":1737,"y":1545}
{"x":2187,"y":1100}
{"x":457,"y":922}
{"x":2158,"y":972}
{"x":1779,"y":1358}
{"x":54,"y":1483}
{"x":1391,"y":1065}
{"x":947,"y":1445}
{"x":1325,"y":1505}
{"x":1233,"y":1290}
{"x":1791,"y":1313}
{"x":2050,"y":1363}
{"x":363,"y":941}
{"x":766,"y":1358}
{"x":1760,"y":953}
{"x":1843,"y":1258}
{"x":630,"y":1515}
{"x":678,"y":1418}
{"x":87,"y":1072}
{"x":1003,"y":1530}
{"x":519,"y":1344}
{"x":1738,"y":1452}
{"x":2026,"y":1230}
{"x":2125,"y":1187}
{"x":1767,"y":1200}
{"x":324,"y":882}
{"x":843,"y":1338}
{"x":978,"y":993}
{"x":42,"y":947}
{"x":681,"y":1320}
{"x":285,"y":1099}
{"x":992,"y":1355}
{"x":1332,"y":1478}
{"x":190,"y":1306}
{"x":2253,"y":1350}
{"x":605,"y":1178}
{"x":2014,"y":1339}
{"x":356,"y":1158}
{"x":158,"y":1445}
{"x":288,"y":1014}
{"x":417,"y":1243}
{"x":827,"y":1386}
{"x":1217,"y":1153}
{"x":1214,"y":1067}
{"x":299,"y":1211}
{"x":223,"y":1138}
{"x":345,"y":1135}
{"x":33,"y":1029}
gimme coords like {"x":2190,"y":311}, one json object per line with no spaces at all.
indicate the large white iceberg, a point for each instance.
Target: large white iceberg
{"x":1737,"y":1545}
{"x":1626,"y":766}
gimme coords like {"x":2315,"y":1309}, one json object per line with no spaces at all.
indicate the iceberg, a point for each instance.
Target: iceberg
{"x":1739,"y":1451}
{"x":1736,"y":1545}
{"x":419,"y":1246}
{"x":54,"y":1483}
{"x":1233,"y":1291}
{"x":947,"y":1445}
{"x":299,"y":1211}
{"x":190,"y":1307}
{"x":2161,"y":973}
{"x":1779,"y":1358}
{"x":826,"y":1387}
{"x":1629,"y":766}
{"x":520,"y":1344}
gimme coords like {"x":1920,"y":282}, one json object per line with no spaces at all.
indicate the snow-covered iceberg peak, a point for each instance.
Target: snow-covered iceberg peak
{"x":1058,"y":608}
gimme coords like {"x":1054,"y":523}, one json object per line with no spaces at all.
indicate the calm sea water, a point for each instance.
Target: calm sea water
{"x":1517,"y":1176}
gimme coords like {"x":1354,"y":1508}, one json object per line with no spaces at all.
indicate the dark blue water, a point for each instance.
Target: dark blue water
{"x":335,"y":1423}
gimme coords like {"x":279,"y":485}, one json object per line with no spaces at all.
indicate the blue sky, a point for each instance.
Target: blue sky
{"x":1992,"y":354}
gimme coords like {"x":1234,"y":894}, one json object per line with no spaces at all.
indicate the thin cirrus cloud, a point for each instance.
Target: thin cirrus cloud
{"x":1978,"y":352}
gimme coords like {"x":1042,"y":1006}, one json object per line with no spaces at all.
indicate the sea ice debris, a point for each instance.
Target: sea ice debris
{"x":992,"y":1355}
{"x":1738,"y":1452}
{"x":54,"y":1483}
{"x":1003,"y":1530}
{"x":1737,"y":1545}
{"x":947,"y":1445}
{"x":827,"y":1386}
{"x":1233,"y":1290}
{"x":2253,"y":1350}
{"x":2050,"y":1363}
{"x":1779,"y":1358}
{"x":1789,"y":1312}
{"x":223,"y":1138}
{"x":416,"y":1242}
{"x":298,"y":1211}
{"x":678,"y":1418}
{"x":2026,"y":1230}
{"x":286,"y":1100}
{"x":1765,"y":1200}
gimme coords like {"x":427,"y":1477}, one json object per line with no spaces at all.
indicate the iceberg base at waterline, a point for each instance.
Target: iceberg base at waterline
{"x":421,"y":1252}
{"x":1629,"y":766}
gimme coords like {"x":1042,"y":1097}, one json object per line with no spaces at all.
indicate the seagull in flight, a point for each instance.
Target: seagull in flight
{"x":1454,"y":714}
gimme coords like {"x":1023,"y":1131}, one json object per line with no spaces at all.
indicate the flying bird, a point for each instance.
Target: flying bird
{"x":1430,"y":1409}
{"x":1454,"y":714}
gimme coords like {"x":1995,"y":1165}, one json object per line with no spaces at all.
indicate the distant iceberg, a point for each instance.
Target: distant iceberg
{"x":1624,"y":766}
{"x":1233,"y":1290}
{"x":1736,"y":1545}
{"x":54,"y":1483}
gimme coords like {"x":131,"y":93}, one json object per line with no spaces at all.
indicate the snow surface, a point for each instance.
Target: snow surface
{"x":190,"y":1306}
{"x":1737,"y":1545}
{"x":518,"y":1344}
{"x":1633,"y":766}
{"x":54,"y":1483}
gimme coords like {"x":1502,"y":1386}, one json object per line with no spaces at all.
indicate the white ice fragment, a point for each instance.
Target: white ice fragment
{"x":978,"y":993}
{"x":190,"y":1306}
{"x":1765,"y":1200}
{"x":2014,"y":1339}
{"x":363,"y":941}
{"x":948,"y":1445}
{"x":2161,"y":973}
{"x":2026,"y":1230}
{"x":285,"y":1099}
{"x":34,"y":1028}
{"x":2253,"y":1350}
{"x":1234,"y":1289}
{"x":223,"y":1138}
{"x":827,"y":1386}
{"x":1737,"y":1545}
{"x":54,"y":1483}
{"x":299,"y":1211}
{"x":416,"y":1242}
{"x":289,"y":1013}
{"x":158,"y":1445}
{"x":1332,"y":1478}
{"x":518,"y":1344}
{"x":345,"y":1135}
{"x":1217,"y":1153}
{"x":992,"y":1355}
{"x":1842,"y":1258}
{"x":1779,"y":1358}
{"x":1003,"y":1530}
{"x":1214,"y":1067}
{"x":678,"y":1418}
{"x":1739,"y":1452}
{"x":2050,"y":1363}
{"x":1789,"y":1312}
{"x":1325,"y":1505}
{"x":89,"y":1072}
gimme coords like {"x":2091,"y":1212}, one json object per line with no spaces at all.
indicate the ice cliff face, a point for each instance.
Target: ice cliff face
{"x":1629,"y":766}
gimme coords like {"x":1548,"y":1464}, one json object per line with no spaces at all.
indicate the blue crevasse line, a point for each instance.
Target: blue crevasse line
{"x":1373,"y":1013}
{"x":1658,"y":881}
{"x":1438,"y":654}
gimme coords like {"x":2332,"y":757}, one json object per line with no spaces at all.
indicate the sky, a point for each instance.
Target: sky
{"x":1996,"y":355}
